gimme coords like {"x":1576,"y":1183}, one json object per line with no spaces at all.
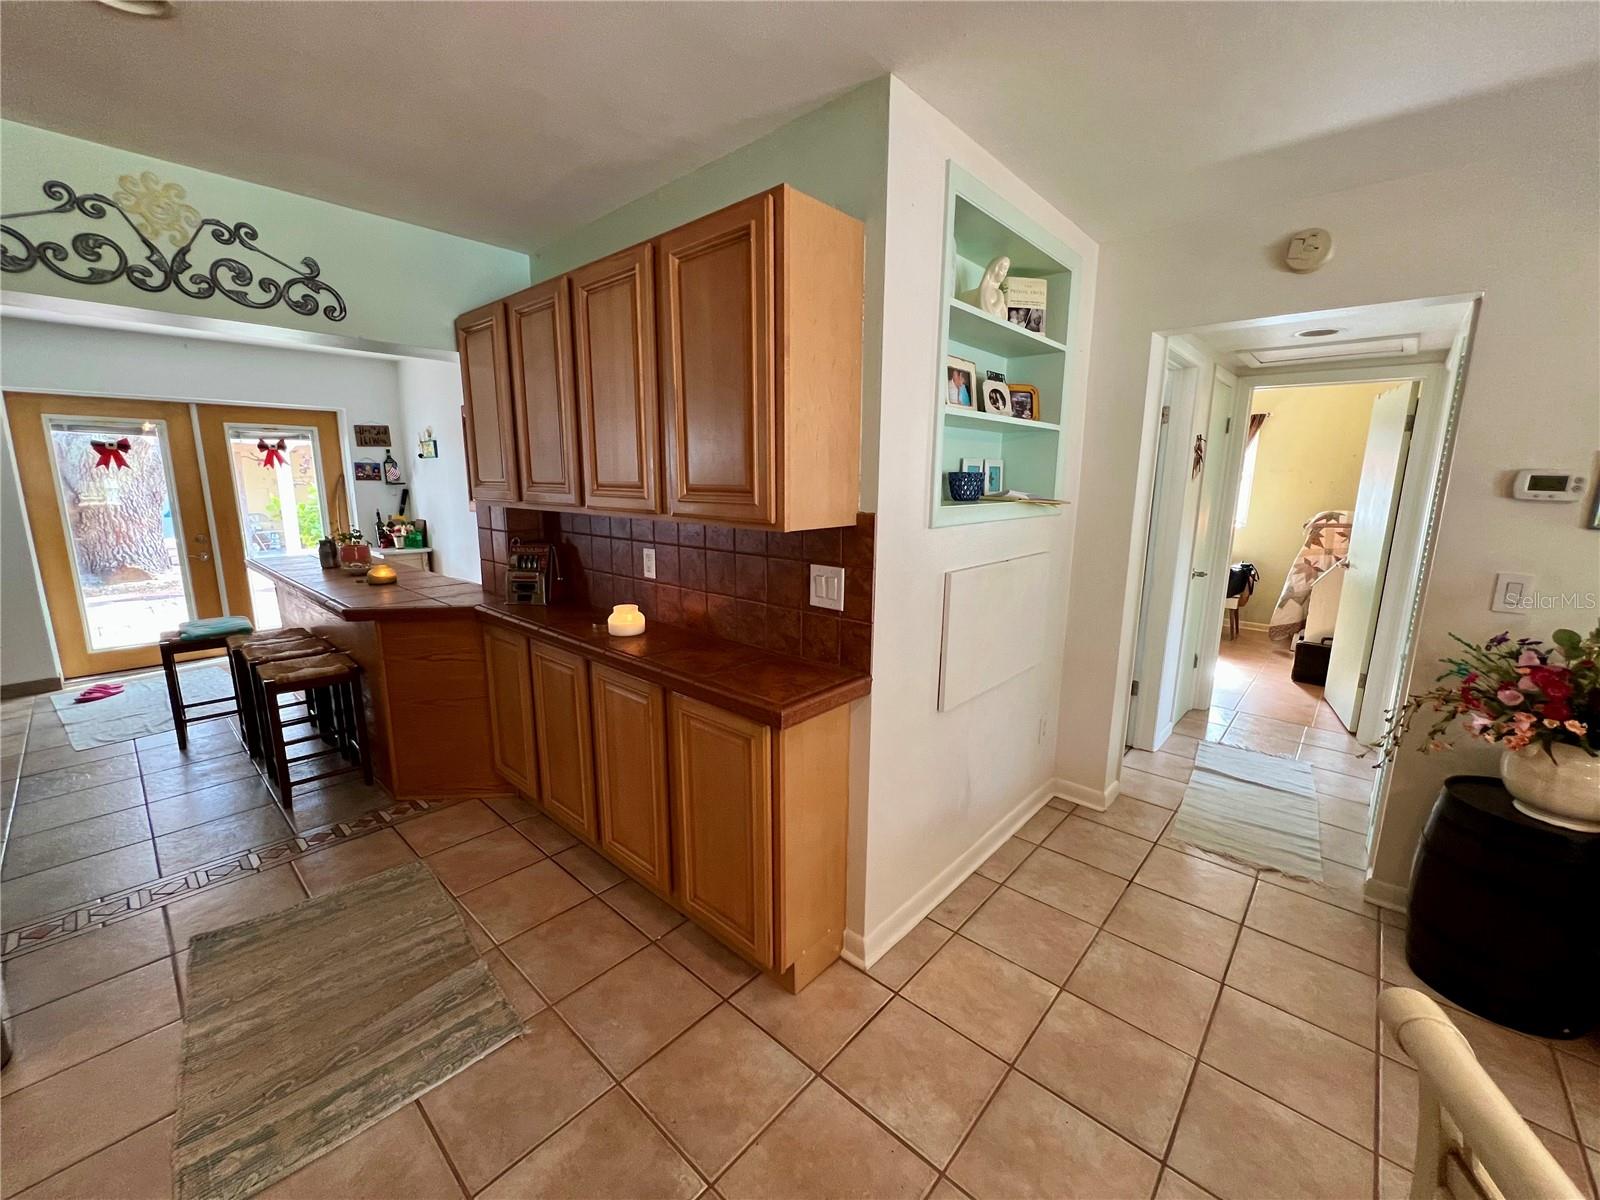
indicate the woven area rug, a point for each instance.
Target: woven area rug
{"x":307,"y":1026}
{"x":141,"y":709}
{"x":1254,"y":808}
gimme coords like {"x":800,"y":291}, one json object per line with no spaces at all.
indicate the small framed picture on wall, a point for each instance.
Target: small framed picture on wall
{"x":960,"y":382}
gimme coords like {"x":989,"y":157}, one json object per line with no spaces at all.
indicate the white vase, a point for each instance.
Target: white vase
{"x":1564,"y":791}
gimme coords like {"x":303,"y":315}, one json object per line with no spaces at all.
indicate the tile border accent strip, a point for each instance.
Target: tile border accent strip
{"x":129,"y":902}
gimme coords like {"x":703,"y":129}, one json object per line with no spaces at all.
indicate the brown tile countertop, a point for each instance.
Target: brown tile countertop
{"x":773,"y":689}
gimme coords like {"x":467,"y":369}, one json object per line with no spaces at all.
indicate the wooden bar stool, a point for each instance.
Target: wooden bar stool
{"x":340,"y":720}
{"x":249,"y":653}
{"x":172,"y":647}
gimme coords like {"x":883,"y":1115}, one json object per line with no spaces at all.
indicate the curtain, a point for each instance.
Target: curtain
{"x":1257,"y":420}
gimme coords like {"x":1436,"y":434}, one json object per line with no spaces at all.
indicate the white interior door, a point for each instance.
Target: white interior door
{"x":1208,"y":564}
{"x":1382,"y":467}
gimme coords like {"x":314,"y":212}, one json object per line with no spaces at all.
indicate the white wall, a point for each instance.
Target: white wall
{"x":27,"y":651}
{"x":943,"y":785}
{"x":430,"y":396}
{"x":1521,"y":230}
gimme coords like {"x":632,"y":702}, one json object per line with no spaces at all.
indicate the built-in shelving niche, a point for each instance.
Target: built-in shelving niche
{"x":979,"y":226}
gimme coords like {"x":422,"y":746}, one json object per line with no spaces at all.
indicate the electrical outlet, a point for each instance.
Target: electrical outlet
{"x":827,"y":587}
{"x":649,"y":562}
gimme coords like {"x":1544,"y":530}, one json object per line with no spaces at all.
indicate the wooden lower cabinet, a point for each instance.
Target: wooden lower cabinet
{"x":565,"y":749}
{"x":510,"y":675}
{"x":630,"y":760}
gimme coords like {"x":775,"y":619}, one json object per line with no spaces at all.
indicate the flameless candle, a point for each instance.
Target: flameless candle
{"x":380,"y":573}
{"x":625,"y":621}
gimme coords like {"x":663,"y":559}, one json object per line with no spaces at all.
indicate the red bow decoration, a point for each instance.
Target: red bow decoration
{"x":272,"y":456}
{"x":111,"y":452}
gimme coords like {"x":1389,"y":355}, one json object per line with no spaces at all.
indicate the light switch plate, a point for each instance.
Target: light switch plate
{"x":649,"y":562}
{"x":1512,"y":593}
{"x":827,"y":587}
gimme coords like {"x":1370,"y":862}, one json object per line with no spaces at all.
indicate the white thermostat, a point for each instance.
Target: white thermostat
{"x":1543,"y":483}
{"x":1308,"y":249}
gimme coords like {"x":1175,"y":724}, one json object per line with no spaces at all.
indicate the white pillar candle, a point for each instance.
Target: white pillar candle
{"x":625,"y":621}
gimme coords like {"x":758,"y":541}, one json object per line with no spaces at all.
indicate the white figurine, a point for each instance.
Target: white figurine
{"x":987,"y":295}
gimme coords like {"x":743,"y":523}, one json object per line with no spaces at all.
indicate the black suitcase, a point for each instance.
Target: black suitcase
{"x":1310,"y":661}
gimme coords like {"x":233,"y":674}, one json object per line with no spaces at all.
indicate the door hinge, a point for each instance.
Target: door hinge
{"x":1134,"y":691}
{"x":1197,"y":660}
{"x":1411,"y":422}
{"x":1362,"y":682}
{"x":1166,"y":413}
{"x":1227,"y":426}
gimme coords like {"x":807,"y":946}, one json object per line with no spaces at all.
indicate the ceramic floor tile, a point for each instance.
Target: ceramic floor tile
{"x":525,"y":1001}
{"x":1331,"y":996}
{"x":198,"y":844}
{"x":818,"y":1021}
{"x":1583,"y":1085}
{"x":963,"y":901}
{"x":610,"y":1149}
{"x":502,"y":1106}
{"x":523,"y":899}
{"x":251,"y":896}
{"x":1336,"y":739}
{"x":822,"y":1146}
{"x":436,"y":831}
{"x":1345,"y":787}
{"x":635,"y":1008}
{"x":570,"y":949}
{"x":1119,"y":1075}
{"x":1031,"y":934}
{"x":396,"y":1159}
{"x":1356,"y":766}
{"x":1181,"y":745}
{"x":976,"y":992}
{"x":1039,"y":826}
{"x":1148,"y":991}
{"x":72,"y":883}
{"x":40,"y":761}
{"x":214,"y":739}
{"x":1099,"y":845}
{"x":1525,"y":1070}
{"x":905,"y":958}
{"x":1344,"y":814}
{"x":1397,"y":1111}
{"x":139,"y":1167}
{"x":538,"y":829}
{"x":101,"y":1101}
{"x":482,"y":860}
{"x":513,"y":808}
{"x":1239,"y":1144}
{"x":648,"y":914}
{"x":717,"y":1086}
{"x":192,"y":776}
{"x":1188,"y":935}
{"x":1314,"y":1072}
{"x":77,"y":806}
{"x":999,"y":865}
{"x":924,"y":1081}
{"x":68,"y":843}
{"x":209,"y":803}
{"x":1168,"y":766}
{"x":1185,"y":877}
{"x":1131,"y":815}
{"x":1175,"y":1187}
{"x":352,"y":860}
{"x":65,"y":1032}
{"x":1065,"y":883}
{"x":1312,"y":925}
{"x":77,"y":778}
{"x":719,"y":968}
{"x":1394,"y":1183}
{"x":1261,"y":742}
{"x":1031,"y":1143}
{"x":55,"y":971}
{"x":589,"y":869}
{"x":342,"y":800}
{"x":1152,"y":789}
{"x":1341,"y":887}
{"x":1344,"y":846}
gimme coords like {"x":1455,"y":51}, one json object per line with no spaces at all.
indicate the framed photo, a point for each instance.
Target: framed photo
{"x":994,"y":476}
{"x":372,"y":435}
{"x":960,"y":382}
{"x":996,"y":395}
{"x":368,"y":472}
{"x":1024,"y":401}
{"x":1025,"y":302}
{"x":427,"y":448}
{"x":972,"y":466}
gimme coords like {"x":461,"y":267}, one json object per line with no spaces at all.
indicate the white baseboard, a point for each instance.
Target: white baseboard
{"x":1385,"y":895}
{"x":1258,"y":626}
{"x":862,"y":950}
{"x":1098,"y":799}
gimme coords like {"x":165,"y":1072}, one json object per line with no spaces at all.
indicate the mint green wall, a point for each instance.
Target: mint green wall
{"x":837,"y":153}
{"x":401,"y":283}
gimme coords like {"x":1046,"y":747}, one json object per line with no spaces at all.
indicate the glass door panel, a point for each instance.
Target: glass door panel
{"x":278,"y":485}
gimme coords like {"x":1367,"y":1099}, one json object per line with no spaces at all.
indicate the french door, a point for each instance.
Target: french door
{"x":117,"y":507}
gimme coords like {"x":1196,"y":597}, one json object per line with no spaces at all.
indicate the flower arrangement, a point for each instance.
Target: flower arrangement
{"x":1513,"y":694}
{"x":350,"y":537}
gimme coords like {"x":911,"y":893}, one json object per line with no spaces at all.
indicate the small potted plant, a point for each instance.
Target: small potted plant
{"x":353,"y":548}
{"x":1540,"y":704}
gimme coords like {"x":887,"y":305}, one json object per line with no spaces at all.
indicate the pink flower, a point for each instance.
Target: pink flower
{"x":1522,"y":720}
{"x":1478,"y":722}
{"x":1527,"y":684}
{"x":1509,"y":696}
{"x":1529,"y":658}
{"x":1577,"y":727}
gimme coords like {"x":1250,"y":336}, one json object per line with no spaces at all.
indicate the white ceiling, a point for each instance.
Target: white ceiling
{"x":516,"y":122}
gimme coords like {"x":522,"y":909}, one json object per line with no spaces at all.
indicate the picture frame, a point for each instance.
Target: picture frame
{"x":960,"y":383}
{"x":368,"y":472}
{"x":427,"y":448}
{"x":1026,"y":300}
{"x":996,"y":395}
{"x":1024,"y":401}
{"x":972,"y":466}
{"x":372,"y":435}
{"x":994,"y":476}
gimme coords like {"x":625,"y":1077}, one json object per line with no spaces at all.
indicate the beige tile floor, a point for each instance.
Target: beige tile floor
{"x":1093,"y":1013}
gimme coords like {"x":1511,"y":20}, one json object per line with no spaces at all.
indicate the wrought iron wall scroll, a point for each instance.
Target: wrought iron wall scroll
{"x":149,"y":209}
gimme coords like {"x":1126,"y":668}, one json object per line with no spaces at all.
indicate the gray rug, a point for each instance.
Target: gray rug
{"x":1254,"y":808}
{"x":309,"y":1025}
{"x":141,"y":709}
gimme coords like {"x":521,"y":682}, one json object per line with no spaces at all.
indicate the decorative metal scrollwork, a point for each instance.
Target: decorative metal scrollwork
{"x":95,"y":258}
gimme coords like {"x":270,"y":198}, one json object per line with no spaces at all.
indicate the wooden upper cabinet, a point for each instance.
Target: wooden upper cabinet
{"x":722,"y":814}
{"x":717,"y":336}
{"x":505,"y":657}
{"x":630,"y":754}
{"x":544,"y":400}
{"x":486,"y":387}
{"x":614,"y":352}
{"x":566,"y":752}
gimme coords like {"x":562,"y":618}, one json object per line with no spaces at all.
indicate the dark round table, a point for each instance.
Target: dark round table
{"x":1505,"y":912}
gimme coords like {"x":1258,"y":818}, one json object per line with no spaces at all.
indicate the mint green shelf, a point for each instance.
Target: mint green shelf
{"x":974,"y":327}
{"x":967,"y":416}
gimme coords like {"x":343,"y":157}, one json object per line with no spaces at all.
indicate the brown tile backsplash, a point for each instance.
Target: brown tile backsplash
{"x":742,"y":584}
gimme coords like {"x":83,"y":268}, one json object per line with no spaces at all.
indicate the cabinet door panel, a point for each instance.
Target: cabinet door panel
{"x":630,"y":735}
{"x":505,"y":656}
{"x":543,"y":398}
{"x":566,"y":755}
{"x":722,"y":815}
{"x":613,"y":317}
{"x":486,"y":387}
{"x":716,"y":305}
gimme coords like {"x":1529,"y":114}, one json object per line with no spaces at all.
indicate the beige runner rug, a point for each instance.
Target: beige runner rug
{"x":309,"y":1025}
{"x":1254,"y":808}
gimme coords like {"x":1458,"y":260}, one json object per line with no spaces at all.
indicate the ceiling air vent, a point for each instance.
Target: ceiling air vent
{"x":1277,"y":356}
